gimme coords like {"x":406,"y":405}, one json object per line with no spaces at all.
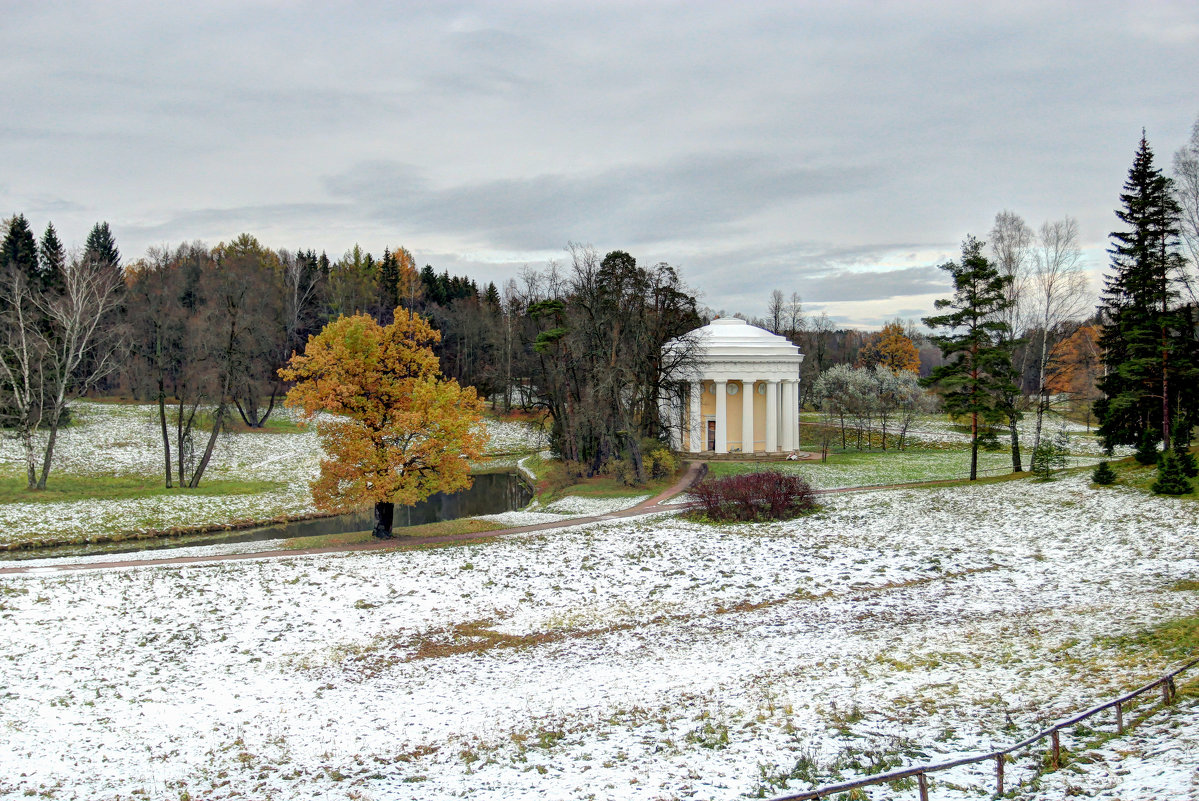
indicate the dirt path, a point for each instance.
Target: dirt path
{"x":654,"y":505}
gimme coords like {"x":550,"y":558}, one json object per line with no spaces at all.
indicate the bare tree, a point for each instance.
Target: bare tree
{"x":794,"y":322}
{"x":1059,"y":295}
{"x":55,"y":349}
{"x":775,"y":311}
{"x":1186,"y":187}
{"x":1011,"y":245}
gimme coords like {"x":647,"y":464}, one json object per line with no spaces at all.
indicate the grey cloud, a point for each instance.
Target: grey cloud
{"x":853,"y":285}
{"x":217,"y":222}
{"x":693,"y":197}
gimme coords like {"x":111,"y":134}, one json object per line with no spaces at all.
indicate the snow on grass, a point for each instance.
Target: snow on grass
{"x":1081,"y":439}
{"x":647,"y":659}
{"x":509,"y":436}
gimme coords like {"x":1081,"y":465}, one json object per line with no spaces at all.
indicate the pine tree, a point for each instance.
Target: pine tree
{"x":1104,"y":474}
{"x":1144,"y":328}
{"x":977,"y":366}
{"x":52,"y":260}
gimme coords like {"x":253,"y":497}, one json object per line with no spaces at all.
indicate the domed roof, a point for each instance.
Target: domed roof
{"x":727,"y":337}
{"x":729,"y":347}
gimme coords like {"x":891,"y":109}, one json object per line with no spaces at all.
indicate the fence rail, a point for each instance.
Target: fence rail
{"x":1163,"y":683}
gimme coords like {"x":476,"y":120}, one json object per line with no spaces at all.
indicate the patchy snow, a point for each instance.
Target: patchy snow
{"x":630,"y":659}
{"x":586,"y":507}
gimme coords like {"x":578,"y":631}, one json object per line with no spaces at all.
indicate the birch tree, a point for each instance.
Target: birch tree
{"x":54,"y":349}
{"x":1011,"y":246}
{"x":1060,"y":294}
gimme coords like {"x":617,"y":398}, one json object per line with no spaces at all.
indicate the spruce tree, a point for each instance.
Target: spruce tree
{"x":100,"y":250}
{"x":1170,"y":479}
{"x":977,"y":369}
{"x":52,"y":260}
{"x":19,"y":249}
{"x":1104,"y":474}
{"x":1146,"y":452}
{"x":1181,"y":443}
{"x":1144,"y":329}
{"x":389,"y":279}
{"x":492,"y":296}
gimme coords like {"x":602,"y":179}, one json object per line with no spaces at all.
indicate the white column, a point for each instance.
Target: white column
{"x":790,"y":415}
{"x":694,"y":423}
{"x":795,"y":410}
{"x":747,"y":415}
{"x":722,"y":414}
{"x":675,"y":421}
{"x":784,"y":420}
{"x":772,"y":416}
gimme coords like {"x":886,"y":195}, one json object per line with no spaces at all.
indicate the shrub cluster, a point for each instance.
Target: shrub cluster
{"x":767,"y":495}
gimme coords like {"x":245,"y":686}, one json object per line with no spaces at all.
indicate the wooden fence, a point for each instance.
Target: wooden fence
{"x":1164,"y":684}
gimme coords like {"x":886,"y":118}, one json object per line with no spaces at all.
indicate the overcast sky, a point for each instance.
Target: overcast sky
{"x":838,"y":150}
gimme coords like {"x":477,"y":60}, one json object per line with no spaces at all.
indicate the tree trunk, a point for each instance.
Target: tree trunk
{"x":974,"y":446}
{"x":1017,"y":464}
{"x":49,"y":454}
{"x":218,"y":421}
{"x":384,"y":519}
{"x":30,"y":460}
{"x":1165,"y":392}
{"x":250,"y":420}
{"x":166,"y":440}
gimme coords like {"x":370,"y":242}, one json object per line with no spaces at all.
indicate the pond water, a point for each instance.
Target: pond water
{"x":491,"y":493}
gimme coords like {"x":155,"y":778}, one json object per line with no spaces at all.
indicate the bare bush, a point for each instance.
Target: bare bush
{"x":766,"y":495}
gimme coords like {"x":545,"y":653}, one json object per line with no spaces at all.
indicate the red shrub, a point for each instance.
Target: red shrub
{"x":767,"y":495}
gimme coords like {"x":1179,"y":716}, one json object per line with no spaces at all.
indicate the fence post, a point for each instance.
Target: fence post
{"x":999,"y":774}
{"x":1119,"y":718}
{"x":1166,"y":691}
{"x":1057,"y":751}
{"x":923,"y":786}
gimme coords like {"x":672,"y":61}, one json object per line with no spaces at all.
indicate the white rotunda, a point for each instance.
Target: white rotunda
{"x":742,"y":392}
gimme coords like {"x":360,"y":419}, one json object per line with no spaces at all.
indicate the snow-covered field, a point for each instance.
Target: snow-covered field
{"x":125,"y":440}
{"x":649,"y":659}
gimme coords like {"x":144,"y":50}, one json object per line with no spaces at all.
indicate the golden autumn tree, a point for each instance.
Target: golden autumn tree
{"x":408,"y":284}
{"x":396,"y":431}
{"x":891,"y":348}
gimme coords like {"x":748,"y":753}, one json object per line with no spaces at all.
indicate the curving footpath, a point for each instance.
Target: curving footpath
{"x":658,"y":504}
{"x":655,"y":505}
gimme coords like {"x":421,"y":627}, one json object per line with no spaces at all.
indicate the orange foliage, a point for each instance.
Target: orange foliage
{"x":399,"y":431}
{"x":1074,"y":363}
{"x":891,"y":348}
{"x":408,"y":284}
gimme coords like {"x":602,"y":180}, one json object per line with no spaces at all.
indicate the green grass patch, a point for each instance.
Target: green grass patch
{"x":444,"y":528}
{"x":1174,"y":640}
{"x":1141,"y":477}
{"x":605,"y":487}
{"x":74,"y":487}
{"x":553,"y":483}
